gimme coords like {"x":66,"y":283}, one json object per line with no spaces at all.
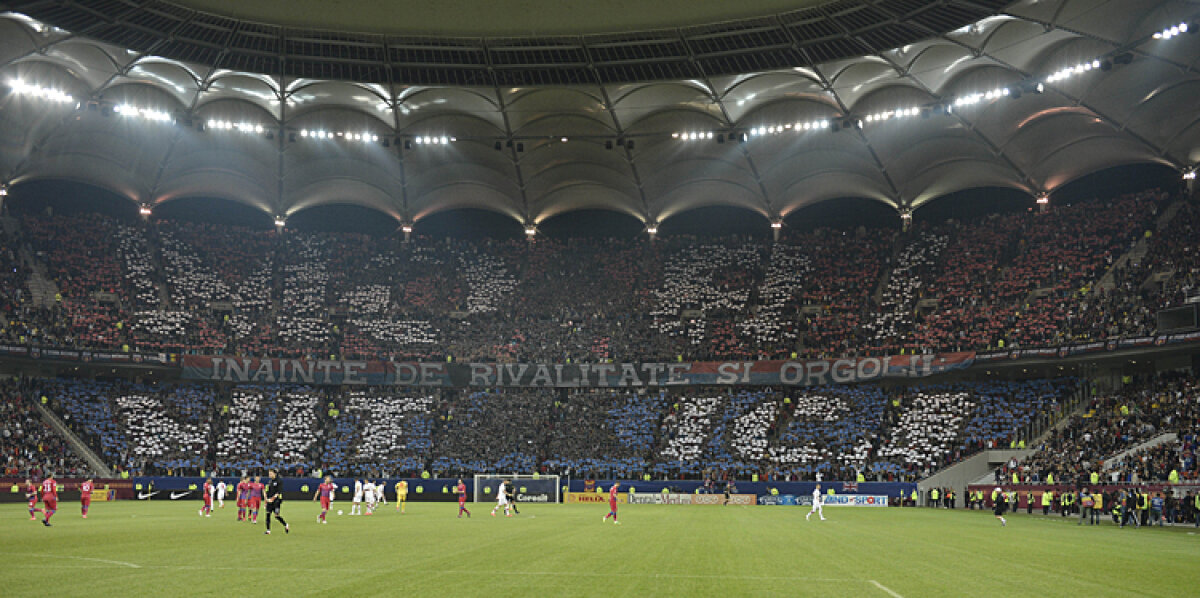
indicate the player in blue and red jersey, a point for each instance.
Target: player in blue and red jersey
{"x":612,"y":503}
{"x":31,"y":494}
{"x":207,"y":490}
{"x":461,"y":490}
{"x":85,"y":496}
{"x":242,"y":493}
{"x":325,"y":491}
{"x":49,"y":498}
{"x":256,"y":496}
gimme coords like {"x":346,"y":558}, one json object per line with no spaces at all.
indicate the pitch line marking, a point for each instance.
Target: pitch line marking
{"x":85,"y":558}
{"x":885,"y":588}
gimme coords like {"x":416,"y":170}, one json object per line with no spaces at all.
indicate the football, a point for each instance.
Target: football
{"x":339,"y":511}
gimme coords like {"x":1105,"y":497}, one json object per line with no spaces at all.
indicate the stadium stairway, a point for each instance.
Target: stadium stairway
{"x":969,"y":471}
{"x":42,"y":290}
{"x":980,"y":467}
{"x":1149,"y":444}
{"x":1139,"y":250}
{"x":93,"y":460}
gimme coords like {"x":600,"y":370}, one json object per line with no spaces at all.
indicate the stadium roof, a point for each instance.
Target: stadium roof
{"x":901,"y":101}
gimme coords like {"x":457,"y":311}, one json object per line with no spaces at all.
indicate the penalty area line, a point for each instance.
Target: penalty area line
{"x":885,"y":588}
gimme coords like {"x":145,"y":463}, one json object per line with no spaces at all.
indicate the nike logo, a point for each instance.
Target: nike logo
{"x":145,"y":495}
{"x":179,"y":495}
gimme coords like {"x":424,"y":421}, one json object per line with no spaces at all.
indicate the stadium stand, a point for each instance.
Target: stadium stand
{"x":28,"y":446}
{"x":1112,"y":423}
{"x":1007,"y":280}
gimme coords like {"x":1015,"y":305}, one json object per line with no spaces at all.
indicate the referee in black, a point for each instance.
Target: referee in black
{"x":274,"y":494}
{"x":512,"y":497}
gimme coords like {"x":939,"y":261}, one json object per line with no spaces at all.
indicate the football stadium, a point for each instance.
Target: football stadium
{"x":609,"y":298}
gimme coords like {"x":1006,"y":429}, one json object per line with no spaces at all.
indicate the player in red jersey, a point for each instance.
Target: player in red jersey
{"x":31,"y":494}
{"x":85,"y":496}
{"x":612,"y":503}
{"x":49,"y":498}
{"x":256,"y":495}
{"x":461,"y":490}
{"x":325,"y":492}
{"x":242,"y":492}
{"x":207,"y":490}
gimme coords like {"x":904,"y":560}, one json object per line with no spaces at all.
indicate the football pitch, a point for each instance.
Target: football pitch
{"x":165,"y":548}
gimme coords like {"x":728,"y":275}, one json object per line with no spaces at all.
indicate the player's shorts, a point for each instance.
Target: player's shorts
{"x":87,"y":500}
{"x":241,"y":503}
{"x":325,"y":502}
{"x":50,"y":504}
{"x":207,"y":500}
{"x":33,"y":502}
{"x":462,"y":501}
{"x":255,"y":503}
{"x":502,"y":501}
{"x":274,"y":506}
{"x":612,"y":504}
{"x":358,"y":498}
{"x":402,"y":497}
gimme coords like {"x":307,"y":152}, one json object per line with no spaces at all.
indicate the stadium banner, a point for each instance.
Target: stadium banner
{"x":763,"y":488}
{"x":782,"y":500}
{"x":719,"y":499}
{"x":845,"y":500}
{"x":86,"y":356}
{"x":661,"y":498}
{"x":595,"y":498}
{"x":105,"y":489}
{"x":294,"y":488}
{"x":580,"y":375}
{"x":1139,"y":342}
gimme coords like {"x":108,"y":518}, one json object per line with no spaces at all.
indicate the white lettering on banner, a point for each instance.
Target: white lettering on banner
{"x":719,"y":499}
{"x":816,"y":372}
{"x":541,"y":376}
{"x":661,"y":499}
{"x":629,"y":376}
{"x":853,"y":500}
{"x":875,"y":362}
{"x":428,"y":371}
{"x":601,"y":375}
{"x":843,"y":371}
{"x":533,"y":497}
{"x":603,"y":370}
{"x":481,"y":374}
{"x":354,"y":371}
{"x":675,"y":370}
{"x":727,"y":373}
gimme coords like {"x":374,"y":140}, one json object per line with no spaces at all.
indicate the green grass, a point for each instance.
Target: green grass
{"x":165,"y":549}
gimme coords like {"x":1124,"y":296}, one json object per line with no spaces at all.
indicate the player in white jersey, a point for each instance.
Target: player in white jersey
{"x":221,"y":494}
{"x":369,"y":496}
{"x":356,"y":507}
{"x":212,"y":494}
{"x":502,"y":499}
{"x":816,"y":506}
{"x":381,"y":493}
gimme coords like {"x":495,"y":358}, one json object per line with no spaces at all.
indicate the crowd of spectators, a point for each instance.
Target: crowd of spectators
{"x":1116,"y":422}
{"x":1006,"y":280}
{"x":834,"y":432}
{"x":28,"y":445}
